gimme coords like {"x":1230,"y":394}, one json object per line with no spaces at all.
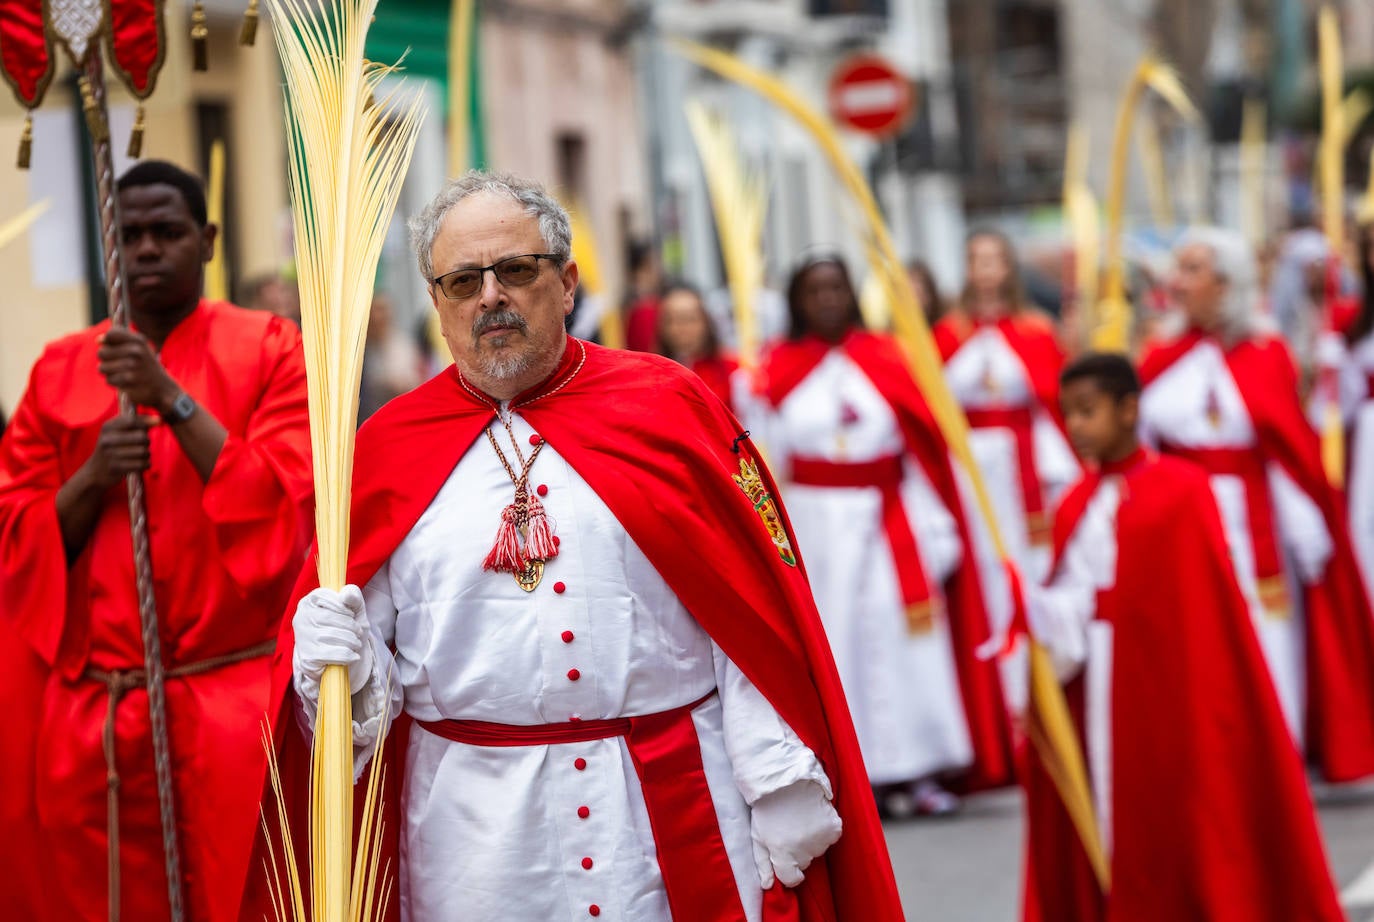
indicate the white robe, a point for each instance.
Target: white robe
{"x":496,"y":833}
{"x":1063,"y":618}
{"x":987,"y":373}
{"x":902,"y":688}
{"x":1174,"y":409}
{"x":1358,"y":371}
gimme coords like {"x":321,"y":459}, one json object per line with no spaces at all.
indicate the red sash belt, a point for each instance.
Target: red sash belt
{"x":697,"y":876}
{"x":1247,"y":465}
{"x":1019,"y":421}
{"x":886,"y":475}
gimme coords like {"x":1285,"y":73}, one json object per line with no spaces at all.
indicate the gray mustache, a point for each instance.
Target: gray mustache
{"x":498,"y":319}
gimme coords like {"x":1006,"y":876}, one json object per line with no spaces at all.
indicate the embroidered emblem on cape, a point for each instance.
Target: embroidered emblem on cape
{"x":753,"y":486}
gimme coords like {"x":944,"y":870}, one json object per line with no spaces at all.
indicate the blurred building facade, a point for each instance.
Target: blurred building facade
{"x":556,"y":95}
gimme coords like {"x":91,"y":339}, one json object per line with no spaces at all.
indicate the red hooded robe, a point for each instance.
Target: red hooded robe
{"x":1211,"y":816}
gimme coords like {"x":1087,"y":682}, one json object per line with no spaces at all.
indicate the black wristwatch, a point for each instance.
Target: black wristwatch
{"x":183,"y":408}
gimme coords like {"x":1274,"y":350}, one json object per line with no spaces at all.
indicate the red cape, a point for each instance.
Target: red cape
{"x":1031,"y":337}
{"x":1212,"y":821}
{"x":716,"y":371}
{"x":882,"y":361}
{"x":1339,"y":623}
{"x":225,"y":553}
{"x":659,"y":449}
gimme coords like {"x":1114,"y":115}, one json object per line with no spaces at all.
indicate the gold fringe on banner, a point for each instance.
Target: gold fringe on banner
{"x":200,"y":38}
{"x":248,"y":32}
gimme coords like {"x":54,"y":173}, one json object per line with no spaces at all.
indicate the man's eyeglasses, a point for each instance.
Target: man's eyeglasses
{"x":511,"y":272}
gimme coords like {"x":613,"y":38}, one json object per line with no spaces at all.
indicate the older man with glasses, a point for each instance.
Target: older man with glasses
{"x":572,"y":562}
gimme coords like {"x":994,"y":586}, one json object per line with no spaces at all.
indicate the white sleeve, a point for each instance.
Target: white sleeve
{"x":765,"y":754}
{"x":1060,"y":612}
{"x":381,"y":697}
{"x":1302,"y":526}
{"x":937,"y":532}
{"x":1054,"y":458}
{"x":1362,"y":491}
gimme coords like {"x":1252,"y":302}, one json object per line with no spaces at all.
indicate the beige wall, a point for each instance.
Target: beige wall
{"x":31,"y":313}
{"x":542,"y":78}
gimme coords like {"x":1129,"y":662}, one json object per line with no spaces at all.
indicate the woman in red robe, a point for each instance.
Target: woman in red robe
{"x":687,"y":336}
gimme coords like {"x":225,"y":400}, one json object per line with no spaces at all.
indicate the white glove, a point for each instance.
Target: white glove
{"x":1330,"y":351}
{"x":331,"y":629}
{"x":791,"y":827}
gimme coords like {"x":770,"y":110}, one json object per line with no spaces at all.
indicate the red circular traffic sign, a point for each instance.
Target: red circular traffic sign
{"x":868,"y":94}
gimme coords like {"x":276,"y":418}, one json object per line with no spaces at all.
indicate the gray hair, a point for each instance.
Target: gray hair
{"x":554,"y":225}
{"x":1234,"y":261}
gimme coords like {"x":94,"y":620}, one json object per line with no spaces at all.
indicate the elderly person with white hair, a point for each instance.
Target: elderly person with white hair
{"x":1223,"y":392}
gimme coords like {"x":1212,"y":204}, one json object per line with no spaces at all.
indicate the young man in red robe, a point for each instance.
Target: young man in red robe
{"x":1200,"y":798}
{"x":222,"y":441}
{"x":622,"y":704}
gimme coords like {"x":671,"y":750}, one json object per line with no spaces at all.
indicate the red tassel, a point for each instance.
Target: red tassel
{"x":539,"y":544}
{"x":505,"y":555}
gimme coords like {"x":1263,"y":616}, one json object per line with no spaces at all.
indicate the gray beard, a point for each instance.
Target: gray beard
{"x":503,"y":367}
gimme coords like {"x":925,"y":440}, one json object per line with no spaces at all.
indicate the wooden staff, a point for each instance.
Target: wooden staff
{"x":93,"y":101}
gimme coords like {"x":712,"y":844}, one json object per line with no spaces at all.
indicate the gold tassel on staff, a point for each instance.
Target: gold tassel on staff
{"x":1055,"y":735}
{"x":346,"y":163}
{"x":739,"y":203}
{"x":248,"y":32}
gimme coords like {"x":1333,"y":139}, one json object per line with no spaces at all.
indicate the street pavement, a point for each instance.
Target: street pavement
{"x":968,"y":868}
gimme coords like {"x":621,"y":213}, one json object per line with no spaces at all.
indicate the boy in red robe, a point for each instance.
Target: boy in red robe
{"x":222,"y":441}
{"x":1199,"y":793}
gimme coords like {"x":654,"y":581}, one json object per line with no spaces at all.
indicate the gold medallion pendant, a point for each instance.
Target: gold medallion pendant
{"x":528,"y":578}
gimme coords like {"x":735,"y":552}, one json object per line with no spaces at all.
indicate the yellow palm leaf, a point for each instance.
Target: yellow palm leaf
{"x":462,"y":16}
{"x":216,"y":276}
{"x":1333,"y":127}
{"x":739,"y":201}
{"x":21,"y":222}
{"x":1059,"y":745}
{"x":587,"y":255}
{"x":349,"y":148}
{"x":1254,"y":152}
{"x":1149,"y":74}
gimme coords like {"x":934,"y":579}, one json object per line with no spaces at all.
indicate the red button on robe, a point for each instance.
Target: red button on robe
{"x":225,"y":553}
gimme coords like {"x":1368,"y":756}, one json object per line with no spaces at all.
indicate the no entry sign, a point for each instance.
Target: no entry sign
{"x":868,"y":94}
